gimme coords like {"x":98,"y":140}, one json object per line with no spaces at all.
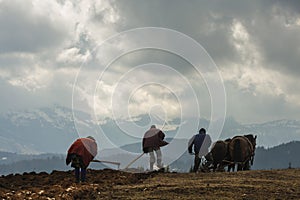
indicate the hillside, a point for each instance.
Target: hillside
{"x":52,"y":130}
{"x":278,"y":157}
{"x":109,"y":184}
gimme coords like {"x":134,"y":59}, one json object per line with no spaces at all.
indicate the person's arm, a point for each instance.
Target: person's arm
{"x":143,"y":144}
{"x":69,"y":154}
{"x":161,"y":135}
{"x":68,"y":159}
{"x":190,"y":145}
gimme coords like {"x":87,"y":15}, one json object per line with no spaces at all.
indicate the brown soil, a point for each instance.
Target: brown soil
{"x":111,"y":184}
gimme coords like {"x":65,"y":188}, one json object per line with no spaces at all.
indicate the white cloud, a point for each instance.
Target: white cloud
{"x":73,"y":56}
{"x":247,"y":50}
{"x":255,"y":80}
{"x":32,"y":79}
{"x":298,"y":22}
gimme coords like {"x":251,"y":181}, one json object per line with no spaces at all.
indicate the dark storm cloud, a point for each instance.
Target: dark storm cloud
{"x":22,"y":30}
{"x":192,"y":18}
{"x":292,"y":5}
{"x":209,"y":22}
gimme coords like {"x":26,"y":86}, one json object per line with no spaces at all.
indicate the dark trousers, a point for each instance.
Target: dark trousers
{"x":80,"y":169}
{"x":197,"y":161}
{"x":80,"y":174}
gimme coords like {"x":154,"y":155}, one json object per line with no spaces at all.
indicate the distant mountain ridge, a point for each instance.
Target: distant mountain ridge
{"x":52,"y":130}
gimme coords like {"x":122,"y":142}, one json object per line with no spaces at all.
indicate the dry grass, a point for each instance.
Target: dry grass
{"x":108,"y":184}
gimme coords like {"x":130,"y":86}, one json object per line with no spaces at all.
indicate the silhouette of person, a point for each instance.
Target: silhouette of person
{"x":152,"y":141}
{"x":201,"y":143}
{"x":81,"y":153}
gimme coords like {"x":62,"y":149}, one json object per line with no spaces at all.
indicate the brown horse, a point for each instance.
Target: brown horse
{"x":241,"y":151}
{"x":217,"y":155}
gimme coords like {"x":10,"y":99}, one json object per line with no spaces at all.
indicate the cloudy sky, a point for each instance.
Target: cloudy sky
{"x":255,"y":45}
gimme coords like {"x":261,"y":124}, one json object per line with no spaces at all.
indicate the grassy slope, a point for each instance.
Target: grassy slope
{"x":276,"y":184}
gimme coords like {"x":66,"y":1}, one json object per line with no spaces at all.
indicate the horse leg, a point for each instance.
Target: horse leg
{"x":221,"y":167}
{"x":214,"y":167}
{"x":228,"y":168}
{"x":240,"y":167}
{"x":247,"y":166}
{"x":252,"y":160}
{"x":231,"y":166}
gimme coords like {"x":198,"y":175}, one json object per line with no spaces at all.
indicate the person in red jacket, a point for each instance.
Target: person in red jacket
{"x":152,"y":141}
{"x":81,"y":153}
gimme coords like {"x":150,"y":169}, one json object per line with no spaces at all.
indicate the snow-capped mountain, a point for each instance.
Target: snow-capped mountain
{"x":52,"y":130}
{"x":37,"y":131}
{"x":269,"y":134}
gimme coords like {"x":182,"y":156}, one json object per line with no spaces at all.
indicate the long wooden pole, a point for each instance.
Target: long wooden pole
{"x":110,"y":162}
{"x":134,"y":160}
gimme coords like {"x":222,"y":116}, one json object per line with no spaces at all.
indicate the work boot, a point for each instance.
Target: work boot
{"x":159,"y":165}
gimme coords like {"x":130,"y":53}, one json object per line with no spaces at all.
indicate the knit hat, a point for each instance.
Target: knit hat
{"x":202,"y":130}
{"x":91,"y":137}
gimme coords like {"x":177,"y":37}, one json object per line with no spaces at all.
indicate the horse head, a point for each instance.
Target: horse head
{"x":252,"y":139}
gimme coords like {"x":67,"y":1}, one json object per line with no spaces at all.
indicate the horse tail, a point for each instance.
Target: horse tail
{"x":237,"y":151}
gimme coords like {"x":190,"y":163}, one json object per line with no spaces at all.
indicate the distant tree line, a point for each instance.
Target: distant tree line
{"x":279,"y":157}
{"x":47,"y":164}
{"x":37,"y":165}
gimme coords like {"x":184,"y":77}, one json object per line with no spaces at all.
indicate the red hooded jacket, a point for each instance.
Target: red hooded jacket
{"x":86,"y":148}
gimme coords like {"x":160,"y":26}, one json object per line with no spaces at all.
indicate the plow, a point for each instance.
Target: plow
{"x":118,"y":164}
{"x":108,"y":162}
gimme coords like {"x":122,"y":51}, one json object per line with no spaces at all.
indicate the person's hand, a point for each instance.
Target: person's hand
{"x":191,"y":153}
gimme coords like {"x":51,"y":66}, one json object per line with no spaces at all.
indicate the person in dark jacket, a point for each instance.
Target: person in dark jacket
{"x":80,"y":154}
{"x":152,"y":141}
{"x":201,"y":143}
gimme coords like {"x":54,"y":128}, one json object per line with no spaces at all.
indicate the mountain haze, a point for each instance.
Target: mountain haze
{"x":52,"y":130}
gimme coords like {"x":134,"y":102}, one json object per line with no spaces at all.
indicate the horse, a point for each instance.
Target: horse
{"x":241,"y":151}
{"x":216,"y":156}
